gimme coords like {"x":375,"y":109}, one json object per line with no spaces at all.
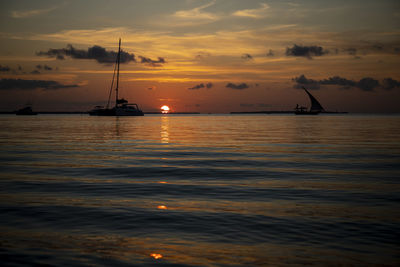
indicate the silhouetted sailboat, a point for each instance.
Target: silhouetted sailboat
{"x":25,"y":111}
{"x":122,"y":107}
{"x":315,"y":109}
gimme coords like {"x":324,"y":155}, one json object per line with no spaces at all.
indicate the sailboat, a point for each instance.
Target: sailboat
{"x":122,"y":107}
{"x":26,"y":111}
{"x":315,"y":109}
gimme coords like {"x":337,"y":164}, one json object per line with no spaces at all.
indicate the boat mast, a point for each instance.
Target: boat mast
{"x":112,"y":84}
{"x":118,"y":60}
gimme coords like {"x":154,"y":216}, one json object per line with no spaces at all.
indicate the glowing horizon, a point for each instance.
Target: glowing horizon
{"x":203,"y":56}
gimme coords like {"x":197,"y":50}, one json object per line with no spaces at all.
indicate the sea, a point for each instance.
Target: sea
{"x":200,"y":190}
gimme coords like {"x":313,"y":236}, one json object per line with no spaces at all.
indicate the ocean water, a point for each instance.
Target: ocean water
{"x":200,"y":190}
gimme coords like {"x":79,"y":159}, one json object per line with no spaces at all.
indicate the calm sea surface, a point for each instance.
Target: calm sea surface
{"x":200,"y":190}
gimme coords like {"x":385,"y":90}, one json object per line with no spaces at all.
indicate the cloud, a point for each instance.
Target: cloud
{"x":247,"y":57}
{"x":154,"y":63}
{"x":351,"y":51}
{"x":197,"y":13}
{"x":389,"y":84}
{"x":303,"y":81}
{"x":31,"y":13}
{"x":44,"y":67}
{"x":196,"y":87}
{"x":8,"y":84}
{"x":336,"y":80}
{"x":201,"y":85}
{"x":305,"y":51}
{"x":257,"y":13}
{"x":4,"y":68}
{"x":100,"y":54}
{"x":365,"y":84}
{"x":35,"y":72}
{"x":237,"y":86}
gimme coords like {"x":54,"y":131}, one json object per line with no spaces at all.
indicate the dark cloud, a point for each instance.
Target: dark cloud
{"x":4,"y":68}
{"x":270,"y":53}
{"x":365,"y":84}
{"x":303,"y":81}
{"x":8,"y":84}
{"x":35,"y":72}
{"x":237,"y":86}
{"x":389,"y":84}
{"x":196,"y":87}
{"x":154,"y":63}
{"x":97,"y":53}
{"x":44,"y":67}
{"x":199,"y":86}
{"x":305,"y":51}
{"x":339,"y":81}
{"x":247,"y":57}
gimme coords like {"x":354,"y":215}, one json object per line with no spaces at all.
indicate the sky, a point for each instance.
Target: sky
{"x":203,"y":56}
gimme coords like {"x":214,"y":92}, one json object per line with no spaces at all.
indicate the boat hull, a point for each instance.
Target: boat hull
{"x":102,"y":112}
{"x":25,"y":111}
{"x":116,"y":112}
{"x":306,"y":112}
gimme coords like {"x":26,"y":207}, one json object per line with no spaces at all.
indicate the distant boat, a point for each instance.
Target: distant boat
{"x":25,"y":111}
{"x":122,"y":107}
{"x":315,"y":109}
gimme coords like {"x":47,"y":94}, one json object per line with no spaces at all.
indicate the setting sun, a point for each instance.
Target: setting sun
{"x":164,"y":109}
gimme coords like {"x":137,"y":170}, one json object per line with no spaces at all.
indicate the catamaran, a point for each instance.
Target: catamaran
{"x":315,"y":109}
{"x":121,"y":107}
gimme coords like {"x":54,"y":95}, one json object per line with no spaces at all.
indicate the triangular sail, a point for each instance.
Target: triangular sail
{"x":315,"y":105}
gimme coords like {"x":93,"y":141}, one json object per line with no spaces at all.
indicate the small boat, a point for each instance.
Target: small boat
{"x":122,"y":107}
{"x":25,"y":111}
{"x":315,"y":109}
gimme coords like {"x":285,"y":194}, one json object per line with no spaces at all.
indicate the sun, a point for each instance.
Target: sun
{"x":164,"y":109}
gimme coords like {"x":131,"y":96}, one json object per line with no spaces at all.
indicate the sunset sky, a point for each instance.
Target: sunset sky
{"x":201,"y":55}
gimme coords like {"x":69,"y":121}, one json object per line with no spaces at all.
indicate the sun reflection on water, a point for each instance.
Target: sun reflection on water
{"x":165,"y":130}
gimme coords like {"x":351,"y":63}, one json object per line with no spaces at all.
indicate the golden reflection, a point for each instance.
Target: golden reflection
{"x":163,"y":182}
{"x":156,"y":256}
{"x":162,"y":207}
{"x":165,"y":129}
{"x":196,"y":253}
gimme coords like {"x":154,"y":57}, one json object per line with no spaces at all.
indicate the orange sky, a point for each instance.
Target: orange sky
{"x":202,"y":56}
